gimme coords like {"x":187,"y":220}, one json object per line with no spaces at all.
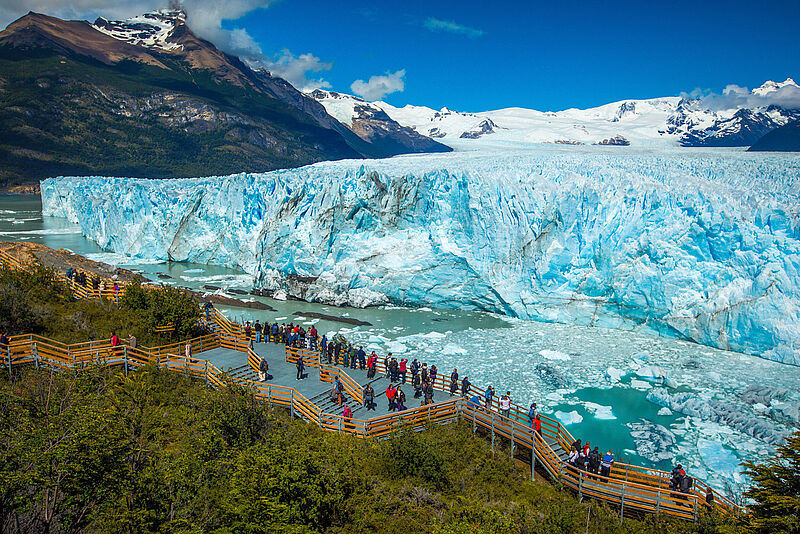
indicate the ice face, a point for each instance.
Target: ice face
{"x":703,"y":246}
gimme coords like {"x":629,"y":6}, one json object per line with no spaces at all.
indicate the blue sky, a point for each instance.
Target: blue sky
{"x":478,"y":55}
{"x":474,"y":56}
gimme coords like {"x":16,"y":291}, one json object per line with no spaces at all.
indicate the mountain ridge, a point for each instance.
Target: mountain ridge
{"x":77,"y":100}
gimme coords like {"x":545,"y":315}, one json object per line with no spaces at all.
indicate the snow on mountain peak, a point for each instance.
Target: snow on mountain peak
{"x":151,"y":29}
{"x":770,"y":87}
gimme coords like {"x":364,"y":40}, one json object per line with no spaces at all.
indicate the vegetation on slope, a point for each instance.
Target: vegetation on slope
{"x":34,"y":302}
{"x":158,"y":452}
{"x":73,"y":115}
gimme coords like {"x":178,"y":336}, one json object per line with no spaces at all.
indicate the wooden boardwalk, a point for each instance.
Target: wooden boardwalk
{"x":225,"y":357}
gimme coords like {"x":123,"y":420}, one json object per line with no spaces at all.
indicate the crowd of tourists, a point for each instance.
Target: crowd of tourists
{"x":95,"y":283}
{"x":590,"y":460}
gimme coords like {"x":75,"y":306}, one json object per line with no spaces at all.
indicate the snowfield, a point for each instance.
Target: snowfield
{"x":701,"y":245}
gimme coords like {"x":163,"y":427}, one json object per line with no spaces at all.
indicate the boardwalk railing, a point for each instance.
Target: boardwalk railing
{"x":630,"y":487}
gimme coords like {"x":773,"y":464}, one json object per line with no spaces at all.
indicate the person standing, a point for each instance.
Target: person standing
{"x":465,"y":387}
{"x":337,"y":349}
{"x":362,"y":358}
{"x":347,"y":414}
{"x":433,"y":373}
{"x":606,"y":463}
{"x":417,"y":384}
{"x":505,"y":404}
{"x":132,"y":341}
{"x":263,"y":368}
{"x":323,"y":347}
{"x":369,"y":397}
{"x":372,"y":364}
{"x":401,"y":399}
{"x":390,"y":394}
{"x":187,"y":351}
{"x":114,"y":344}
{"x":402,"y":370}
{"x":488,"y":397}
{"x":300,"y":368}
{"x":453,"y":382}
{"x":257,"y":330}
{"x":537,"y":426}
{"x":338,"y":390}
{"x":424,"y":373}
{"x":414,"y":369}
{"x":312,"y":336}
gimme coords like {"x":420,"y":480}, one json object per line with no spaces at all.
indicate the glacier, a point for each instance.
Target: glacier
{"x":701,"y":245}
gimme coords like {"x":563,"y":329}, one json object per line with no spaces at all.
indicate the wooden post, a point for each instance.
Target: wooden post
{"x":205,"y":373}
{"x":622,"y":505}
{"x":125,"y":363}
{"x":492,"y":433}
{"x":580,"y":486}
{"x":658,"y":499}
{"x":513,"y":442}
{"x":533,"y":461}
{"x":291,"y":404}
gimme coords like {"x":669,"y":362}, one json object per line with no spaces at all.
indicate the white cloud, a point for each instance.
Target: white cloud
{"x":449,"y":26}
{"x":295,"y":69}
{"x":379,"y":86}
{"x":736,"y":96}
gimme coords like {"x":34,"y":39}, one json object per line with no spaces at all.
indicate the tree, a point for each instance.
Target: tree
{"x":776,"y":490}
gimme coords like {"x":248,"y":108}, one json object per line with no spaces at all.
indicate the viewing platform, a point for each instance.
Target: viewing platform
{"x":226,"y":356}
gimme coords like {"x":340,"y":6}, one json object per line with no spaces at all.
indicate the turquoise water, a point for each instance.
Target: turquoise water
{"x":561,"y":367}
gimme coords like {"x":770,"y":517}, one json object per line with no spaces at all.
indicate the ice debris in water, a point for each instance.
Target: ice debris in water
{"x":653,"y":441}
{"x":600,"y":411}
{"x":701,"y":245}
{"x":554,"y":355}
{"x":569,"y":418}
{"x":718,"y":411}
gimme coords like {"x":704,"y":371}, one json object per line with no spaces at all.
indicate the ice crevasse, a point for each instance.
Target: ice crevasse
{"x":703,"y":246}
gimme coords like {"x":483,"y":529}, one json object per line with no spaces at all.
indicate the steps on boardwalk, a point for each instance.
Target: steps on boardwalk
{"x":328,"y":405}
{"x":244,"y":372}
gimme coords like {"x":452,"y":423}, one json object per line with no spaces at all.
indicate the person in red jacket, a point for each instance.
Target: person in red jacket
{"x":402,"y":368}
{"x":390,"y":395}
{"x":372,"y":364}
{"x":114,"y":343}
{"x":537,"y":425}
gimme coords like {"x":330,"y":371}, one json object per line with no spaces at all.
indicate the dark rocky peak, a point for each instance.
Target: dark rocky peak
{"x":486,"y":127}
{"x":625,"y":109}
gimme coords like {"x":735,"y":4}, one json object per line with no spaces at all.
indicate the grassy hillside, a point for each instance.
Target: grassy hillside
{"x":73,"y":115}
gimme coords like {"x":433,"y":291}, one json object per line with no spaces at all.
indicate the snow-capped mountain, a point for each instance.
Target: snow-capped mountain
{"x":666,"y":121}
{"x":152,"y":30}
{"x":373,"y":125}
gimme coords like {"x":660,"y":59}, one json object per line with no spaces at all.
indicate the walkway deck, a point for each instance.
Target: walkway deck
{"x":226,"y":356}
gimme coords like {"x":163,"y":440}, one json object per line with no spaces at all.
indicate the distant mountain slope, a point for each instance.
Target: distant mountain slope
{"x":374,"y":126}
{"x":783,"y":139}
{"x":660,"y":121}
{"x":146,"y":97}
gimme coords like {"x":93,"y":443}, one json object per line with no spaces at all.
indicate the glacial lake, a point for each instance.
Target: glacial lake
{"x":598,"y":379}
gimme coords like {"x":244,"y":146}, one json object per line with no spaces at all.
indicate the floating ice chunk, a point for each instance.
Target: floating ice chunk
{"x":651,"y":371}
{"x":641,"y":356}
{"x":600,"y":411}
{"x":614,"y":374}
{"x":640,"y":384}
{"x":653,"y":441}
{"x":188,"y":271}
{"x":280,"y":318}
{"x":452,"y":348}
{"x":715,"y":376}
{"x":569,"y":418}
{"x":664,"y":411}
{"x":377,"y":339}
{"x":396,"y":347}
{"x":279,"y":295}
{"x":554,"y":355}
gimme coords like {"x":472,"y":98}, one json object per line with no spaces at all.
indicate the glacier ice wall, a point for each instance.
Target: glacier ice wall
{"x":700,"y":245}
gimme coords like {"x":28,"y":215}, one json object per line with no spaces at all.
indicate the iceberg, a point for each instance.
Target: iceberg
{"x":702,"y":246}
{"x":569,"y":418}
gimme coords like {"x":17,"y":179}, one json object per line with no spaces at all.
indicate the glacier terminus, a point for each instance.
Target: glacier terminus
{"x":702,"y":245}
